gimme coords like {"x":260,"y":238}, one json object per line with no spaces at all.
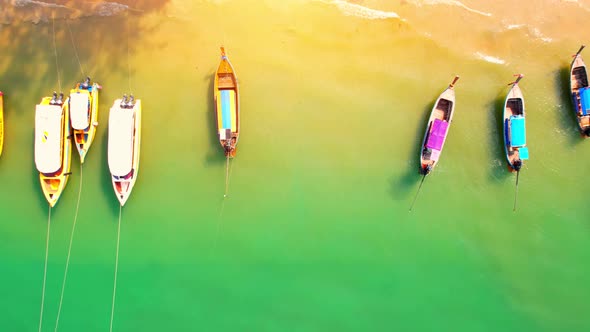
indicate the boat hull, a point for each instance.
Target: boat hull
{"x":443,"y":110}
{"x":513,"y":105}
{"x":227,"y":106}
{"x":53,"y":185}
{"x":124,"y":185}
{"x":84,"y":138}
{"x":578,"y":80}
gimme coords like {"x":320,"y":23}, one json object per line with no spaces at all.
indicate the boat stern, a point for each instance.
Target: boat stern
{"x":52,"y":188}
{"x":122,"y":188}
{"x":426,"y":168}
{"x":82,"y":152}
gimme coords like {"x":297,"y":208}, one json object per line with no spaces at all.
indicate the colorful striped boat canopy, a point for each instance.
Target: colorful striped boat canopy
{"x":437,"y":134}
{"x":517,"y":131}
{"x":227,"y":110}
{"x":585,"y":98}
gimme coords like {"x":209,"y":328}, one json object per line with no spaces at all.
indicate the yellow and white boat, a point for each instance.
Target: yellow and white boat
{"x":124,"y":143}
{"x":1,"y":121}
{"x":53,"y":147}
{"x":83,"y":106}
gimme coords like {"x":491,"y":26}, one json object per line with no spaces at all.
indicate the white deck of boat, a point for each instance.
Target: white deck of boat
{"x":448,"y":94}
{"x":48,"y":138}
{"x":120,"y":144}
{"x":79,"y":109}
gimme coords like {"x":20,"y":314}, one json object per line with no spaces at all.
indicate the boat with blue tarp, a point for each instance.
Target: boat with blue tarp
{"x":515,"y":127}
{"x":580,"y":92}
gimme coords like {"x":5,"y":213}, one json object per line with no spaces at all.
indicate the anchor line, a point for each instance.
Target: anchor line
{"x":116,"y":268}
{"x":45,"y":269}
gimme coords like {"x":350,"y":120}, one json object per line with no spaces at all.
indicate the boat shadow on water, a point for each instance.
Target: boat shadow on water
{"x":567,"y":118}
{"x":106,"y":183}
{"x":403,"y":187}
{"x":498,"y":166}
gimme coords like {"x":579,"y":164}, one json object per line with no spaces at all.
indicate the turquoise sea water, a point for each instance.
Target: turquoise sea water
{"x":315,"y":234}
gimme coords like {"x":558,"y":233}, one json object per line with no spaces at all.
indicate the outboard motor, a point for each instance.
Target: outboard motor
{"x":587,"y":131}
{"x":53,"y":100}
{"x":517,"y":165}
{"x":86,"y":83}
{"x":123,"y":101}
{"x":227,"y":147}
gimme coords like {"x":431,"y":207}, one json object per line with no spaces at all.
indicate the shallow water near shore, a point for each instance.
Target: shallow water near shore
{"x":315,"y":234}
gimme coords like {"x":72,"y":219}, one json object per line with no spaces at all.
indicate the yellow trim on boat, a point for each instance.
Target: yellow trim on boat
{"x":53,"y":186}
{"x":91,"y":130}
{"x":233,"y":110}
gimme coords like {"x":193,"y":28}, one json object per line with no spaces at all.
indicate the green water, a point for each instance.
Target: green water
{"x":315,"y":234}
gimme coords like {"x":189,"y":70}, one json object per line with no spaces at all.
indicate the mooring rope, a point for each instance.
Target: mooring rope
{"x":45,"y":269}
{"x":128,"y":56}
{"x":63,"y":285}
{"x":116,"y":268}
{"x":75,"y":49}
{"x":55,"y":51}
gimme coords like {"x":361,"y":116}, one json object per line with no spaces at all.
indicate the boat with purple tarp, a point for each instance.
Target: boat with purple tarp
{"x":437,"y":129}
{"x":580,"y":92}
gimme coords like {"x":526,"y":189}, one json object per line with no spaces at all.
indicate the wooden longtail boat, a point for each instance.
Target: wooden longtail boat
{"x":437,"y":128}
{"x":53,"y":147}
{"x":227,"y":105}
{"x":124,"y":144}
{"x":514,"y":127}
{"x":83,"y":105}
{"x":580,"y":92}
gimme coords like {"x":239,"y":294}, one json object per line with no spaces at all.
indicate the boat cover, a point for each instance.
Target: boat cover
{"x":435,"y":155}
{"x":517,"y":131}
{"x":79,"y":109}
{"x":228,"y":112}
{"x":121,"y":139}
{"x":437,"y":134}
{"x":48,"y":138}
{"x":585,"y":98}
{"x":523,"y":153}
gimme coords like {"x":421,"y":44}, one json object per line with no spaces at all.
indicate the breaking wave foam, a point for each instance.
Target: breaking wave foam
{"x":448,"y":2}
{"x":489,"y":58}
{"x":39,"y":11}
{"x":352,"y":9}
{"x":531,"y":31}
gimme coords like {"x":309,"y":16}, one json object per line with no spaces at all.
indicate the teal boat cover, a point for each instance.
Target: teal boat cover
{"x":517,"y":131}
{"x":225,"y":110}
{"x":585,"y":98}
{"x":523,"y":153}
